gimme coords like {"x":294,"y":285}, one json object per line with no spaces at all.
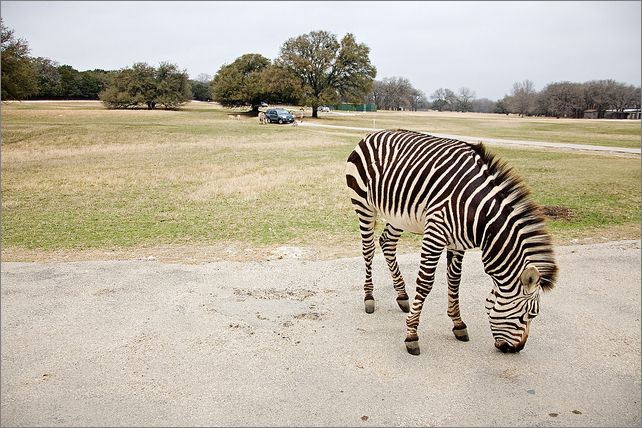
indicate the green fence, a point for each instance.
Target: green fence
{"x":356,"y":107}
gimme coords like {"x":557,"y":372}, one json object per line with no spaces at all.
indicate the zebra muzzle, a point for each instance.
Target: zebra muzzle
{"x":506,"y":347}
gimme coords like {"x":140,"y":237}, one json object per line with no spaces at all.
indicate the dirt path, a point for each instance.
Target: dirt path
{"x":503,"y":142}
{"x":286,"y":342}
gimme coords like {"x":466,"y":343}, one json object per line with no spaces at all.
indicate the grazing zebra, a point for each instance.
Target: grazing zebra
{"x":459,"y":197}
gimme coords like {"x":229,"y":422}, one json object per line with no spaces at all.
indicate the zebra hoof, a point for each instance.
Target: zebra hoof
{"x":461,"y":334}
{"x":413,"y":347}
{"x":404,"y":305}
{"x":370,"y":306}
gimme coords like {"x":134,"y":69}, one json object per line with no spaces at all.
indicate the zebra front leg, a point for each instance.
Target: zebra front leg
{"x":455,"y":258}
{"x":366,"y":227}
{"x":388,"y":242}
{"x":430,"y":252}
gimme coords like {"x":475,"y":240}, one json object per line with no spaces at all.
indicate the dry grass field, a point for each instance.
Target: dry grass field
{"x":603,"y":132}
{"x":82,"y":182}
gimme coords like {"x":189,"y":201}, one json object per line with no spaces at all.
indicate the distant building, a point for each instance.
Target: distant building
{"x":627,"y":113}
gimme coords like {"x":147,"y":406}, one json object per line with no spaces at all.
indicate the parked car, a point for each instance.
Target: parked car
{"x":324,"y":108}
{"x":279,"y":115}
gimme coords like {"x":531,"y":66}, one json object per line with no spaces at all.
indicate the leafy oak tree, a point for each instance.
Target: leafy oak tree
{"x":240,"y":83}
{"x":252,"y":79}
{"x":18,"y":77}
{"x":172,"y":88}
{"x":143,"y":84}
{"x":327,"y":70}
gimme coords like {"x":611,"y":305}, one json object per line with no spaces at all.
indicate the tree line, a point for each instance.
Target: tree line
{"x":571,"y":99}
{"x":313,"y":69}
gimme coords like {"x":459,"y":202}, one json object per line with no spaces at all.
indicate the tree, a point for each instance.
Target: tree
{"x":562,"y":99}
{"x":142,"y":84}
{"x":395,"y":93}
{"x":501,"y":106}
{"x":464,"y":99}
{"x":49,"y":85}
{"x":280,"y":86}
{"x":201,"y":87}
{"x":70,"y":81}
{"x":18,"y":77}
{"x":172,"y":88}
{"x":419,"y":100}
{"x":443,"y":99}
{"x":93,"y":82}
{"x":326,"y":70}
{"x":131,"y":87}
{"x":522,"y":98}
{"x":484,"y":105}
{"x":624,"y":96}
{"x":64,"y":82}
{"x":241,"y":82}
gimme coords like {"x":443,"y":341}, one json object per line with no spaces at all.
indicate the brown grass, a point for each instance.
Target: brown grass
{"x":80,"y":182}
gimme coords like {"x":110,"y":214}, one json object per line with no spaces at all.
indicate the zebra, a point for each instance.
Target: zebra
{"x":459,"y":197}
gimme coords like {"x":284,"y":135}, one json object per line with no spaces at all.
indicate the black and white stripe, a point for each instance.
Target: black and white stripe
{"x":458,"y":197}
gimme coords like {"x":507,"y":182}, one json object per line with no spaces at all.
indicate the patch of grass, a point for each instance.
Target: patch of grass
{"x":91,"y":180}
{"x":600,"y":192}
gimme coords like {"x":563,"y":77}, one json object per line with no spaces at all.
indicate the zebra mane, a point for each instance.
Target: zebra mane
{"x":518,"y":196}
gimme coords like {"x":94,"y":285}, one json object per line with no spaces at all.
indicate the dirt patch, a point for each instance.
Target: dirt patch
{"x":299,"y":294}
{"x":553,"y":212}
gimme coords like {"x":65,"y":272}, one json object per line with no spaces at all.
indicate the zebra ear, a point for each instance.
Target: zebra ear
{"x":530,"y":278}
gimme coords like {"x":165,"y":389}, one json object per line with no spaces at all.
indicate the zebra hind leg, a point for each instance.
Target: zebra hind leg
{"x":388,"y":242}
{"x":455,"y":258}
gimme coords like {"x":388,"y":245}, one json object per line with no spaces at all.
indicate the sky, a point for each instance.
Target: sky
{"x":484,"y":46}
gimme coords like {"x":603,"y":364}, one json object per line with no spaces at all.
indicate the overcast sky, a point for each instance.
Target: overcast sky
{"x":485,"y":46}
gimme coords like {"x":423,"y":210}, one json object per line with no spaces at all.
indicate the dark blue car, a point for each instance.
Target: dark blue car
{"x":279,"y":115}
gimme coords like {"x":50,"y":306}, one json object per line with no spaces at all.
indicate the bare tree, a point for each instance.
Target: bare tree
{"x":444,"y":99}
{"x":204,"y":78}
{"x":483,"y":105}
{"x":624,"y":96}
{"x":395,"y":93}
{"x":464,"y":99}
{"x":522,"y":98}
{"x":419,"y":100}
{"x":562,"y":99}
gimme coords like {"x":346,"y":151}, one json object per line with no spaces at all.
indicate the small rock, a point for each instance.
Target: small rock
{"x":576,"y":412}
{"x":364,"y":418}
{"x":553,"y":415}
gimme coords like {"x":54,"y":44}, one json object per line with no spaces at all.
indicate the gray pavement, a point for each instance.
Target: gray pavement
{"x":504,"y":142}
{"x":287,"y":343}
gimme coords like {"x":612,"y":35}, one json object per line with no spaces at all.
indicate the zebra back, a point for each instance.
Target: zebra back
{"x":407,"y":176}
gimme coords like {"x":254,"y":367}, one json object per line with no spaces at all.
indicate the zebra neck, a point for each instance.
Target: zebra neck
{"x":501,"y":237}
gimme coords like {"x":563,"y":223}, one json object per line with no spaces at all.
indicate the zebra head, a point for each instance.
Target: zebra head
{"x":511,"y":305}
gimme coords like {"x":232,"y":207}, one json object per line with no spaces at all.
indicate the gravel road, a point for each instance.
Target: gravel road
{"x":287,"y":343}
